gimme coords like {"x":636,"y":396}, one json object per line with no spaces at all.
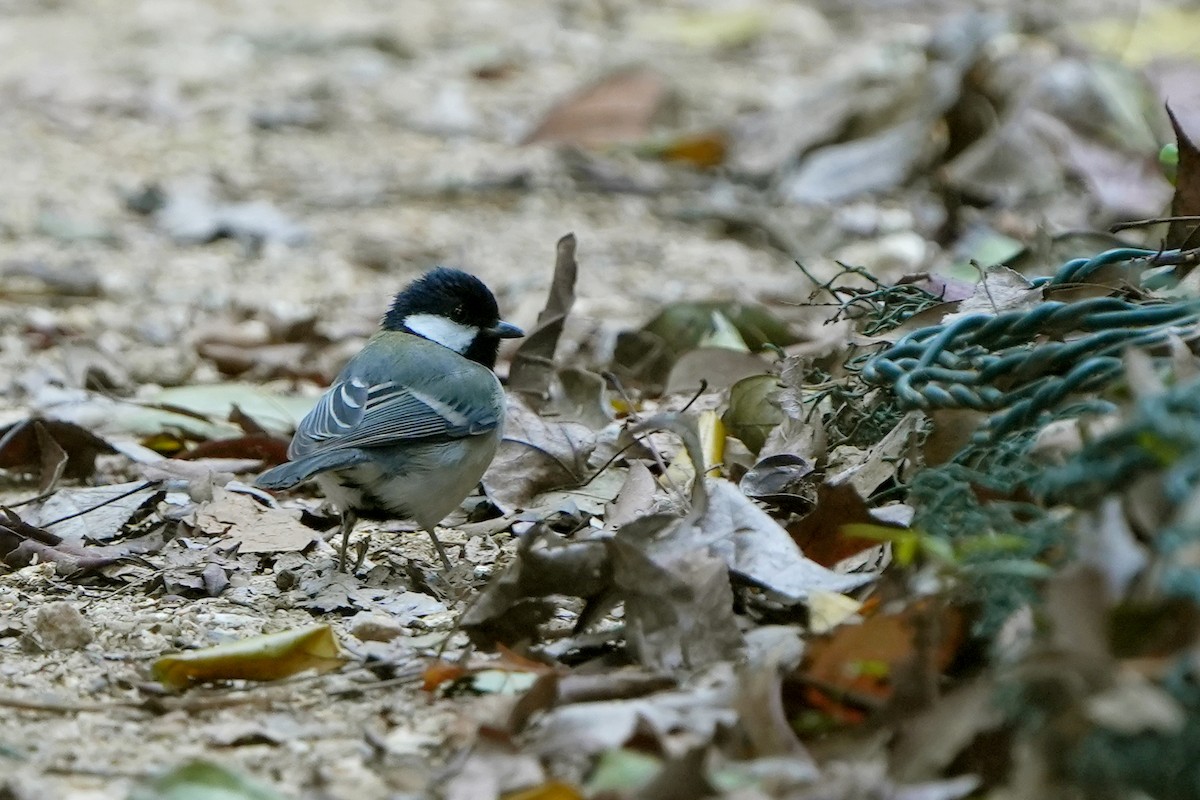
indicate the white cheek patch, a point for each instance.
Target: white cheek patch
{"x":446,"y":332}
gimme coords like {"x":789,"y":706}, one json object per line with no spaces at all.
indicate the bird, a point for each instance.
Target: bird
{"x":414,"y":419}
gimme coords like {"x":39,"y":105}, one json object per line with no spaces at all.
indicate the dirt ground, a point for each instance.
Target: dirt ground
{"x":367,"y":124}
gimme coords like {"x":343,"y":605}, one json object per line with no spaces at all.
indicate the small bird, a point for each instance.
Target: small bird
{"x":414,"y":419}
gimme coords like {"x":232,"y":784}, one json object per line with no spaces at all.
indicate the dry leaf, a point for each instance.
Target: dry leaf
{"x":97,"y":513}
{"x":22,"y":450}
{"x":536,"y":455}
{"x":240,"y":518}
{"x":617,"y":109}
{"x":870,"y":660}
{"x":532,"y":370}
{"x":635,"y":499}
{"x":259,"y":658}
{"x":678,"y":611}
{"x":1186,"y":201}
{"x":821,"y":534}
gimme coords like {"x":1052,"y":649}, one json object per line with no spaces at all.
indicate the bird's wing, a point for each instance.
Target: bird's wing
{"x":357,"y":413}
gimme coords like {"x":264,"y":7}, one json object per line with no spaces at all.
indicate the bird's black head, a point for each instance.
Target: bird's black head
{"x":454,"y":309}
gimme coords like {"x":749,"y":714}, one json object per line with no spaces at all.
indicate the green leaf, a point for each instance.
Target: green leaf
{"x":620,"y":771}
{"x":202,"y":780}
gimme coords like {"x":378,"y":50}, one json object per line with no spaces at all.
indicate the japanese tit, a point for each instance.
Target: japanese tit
{"x":414,"y":419}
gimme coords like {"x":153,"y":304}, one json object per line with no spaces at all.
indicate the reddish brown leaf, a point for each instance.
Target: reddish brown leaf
{"x":269,"y":449}
{"x":21,"y":447}
{"x":820,"y":533}
{"x":857,"y":668}
{"x":616,"y":109}
{"x":440,"y":672}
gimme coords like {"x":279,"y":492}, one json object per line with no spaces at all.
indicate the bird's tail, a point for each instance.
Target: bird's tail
{"x":288,"y":475}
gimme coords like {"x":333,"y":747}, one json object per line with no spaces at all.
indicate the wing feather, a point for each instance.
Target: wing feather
{"x":355,"y":413}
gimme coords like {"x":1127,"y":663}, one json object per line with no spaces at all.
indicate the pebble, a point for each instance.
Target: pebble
{"x":60,"y":626}
{"x":370,"y":627}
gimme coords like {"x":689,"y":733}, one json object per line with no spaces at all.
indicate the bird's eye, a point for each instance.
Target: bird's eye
{"x":458,"y":313}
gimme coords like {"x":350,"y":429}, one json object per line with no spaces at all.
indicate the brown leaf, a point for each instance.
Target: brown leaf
{"x":866,"y":663}
{"x":257,"y":529}
{"x":820,"y":533}
{"x":54,"y":459}
{"x":678,"y":611}
{"x":616,"y":109}
{"x":536,"y":455}
{"x":532,"y":369}
{"x":21,"y":544}
{"x":264,"y":447}
{"x":1187,"y":186}
{"x":511,"y":607}
{"x":21,"y":447}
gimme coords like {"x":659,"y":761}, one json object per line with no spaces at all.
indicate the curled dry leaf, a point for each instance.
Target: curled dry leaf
{"x":671,"y":572}
{"x":678,"y":612}
{"x":779,"y":479}
{"x":532,"y":369}
{"x":536,"y":455}
{"x":754,"y":410}
{"x":38,"y":446}
{"x":635,"y":499}
{"x":258,"y":658}
{"x":546,"y":564}
{"x":22,"y":544}
{"x":758,"y":550}
{"x":1186,"y":201}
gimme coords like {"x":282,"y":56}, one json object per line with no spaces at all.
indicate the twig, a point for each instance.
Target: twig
{"x":658,"y":458}
{"x":1143,"y":223}
{"x":140,"y":487}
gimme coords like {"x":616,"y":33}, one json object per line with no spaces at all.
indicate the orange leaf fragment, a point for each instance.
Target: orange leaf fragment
{"x":554,"y":790}
{"x":440,"y":672}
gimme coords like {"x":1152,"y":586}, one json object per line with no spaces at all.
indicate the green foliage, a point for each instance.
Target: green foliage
{"x":1002,"y":546}
{"x":1162,"y":764}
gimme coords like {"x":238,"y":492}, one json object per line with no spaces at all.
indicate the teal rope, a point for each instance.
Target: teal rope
{"x":1022,"y":364}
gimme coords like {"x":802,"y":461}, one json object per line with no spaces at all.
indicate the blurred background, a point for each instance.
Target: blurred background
{"x":199,"y":189}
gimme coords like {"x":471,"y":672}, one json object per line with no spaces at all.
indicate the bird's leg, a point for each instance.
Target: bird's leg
{"x":348,"y":520}
{"x":437,"y":545}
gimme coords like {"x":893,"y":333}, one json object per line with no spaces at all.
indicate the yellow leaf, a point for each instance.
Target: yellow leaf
{"x":259,"y":658}
{"x":712,"y":443}
{"x":723,"y":333}
{"x":1157,"y":33}
{"x":705,"y":29}
{"x":703,"y":150}
{"x":554,"y":790}
{"x":827,"y":610}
